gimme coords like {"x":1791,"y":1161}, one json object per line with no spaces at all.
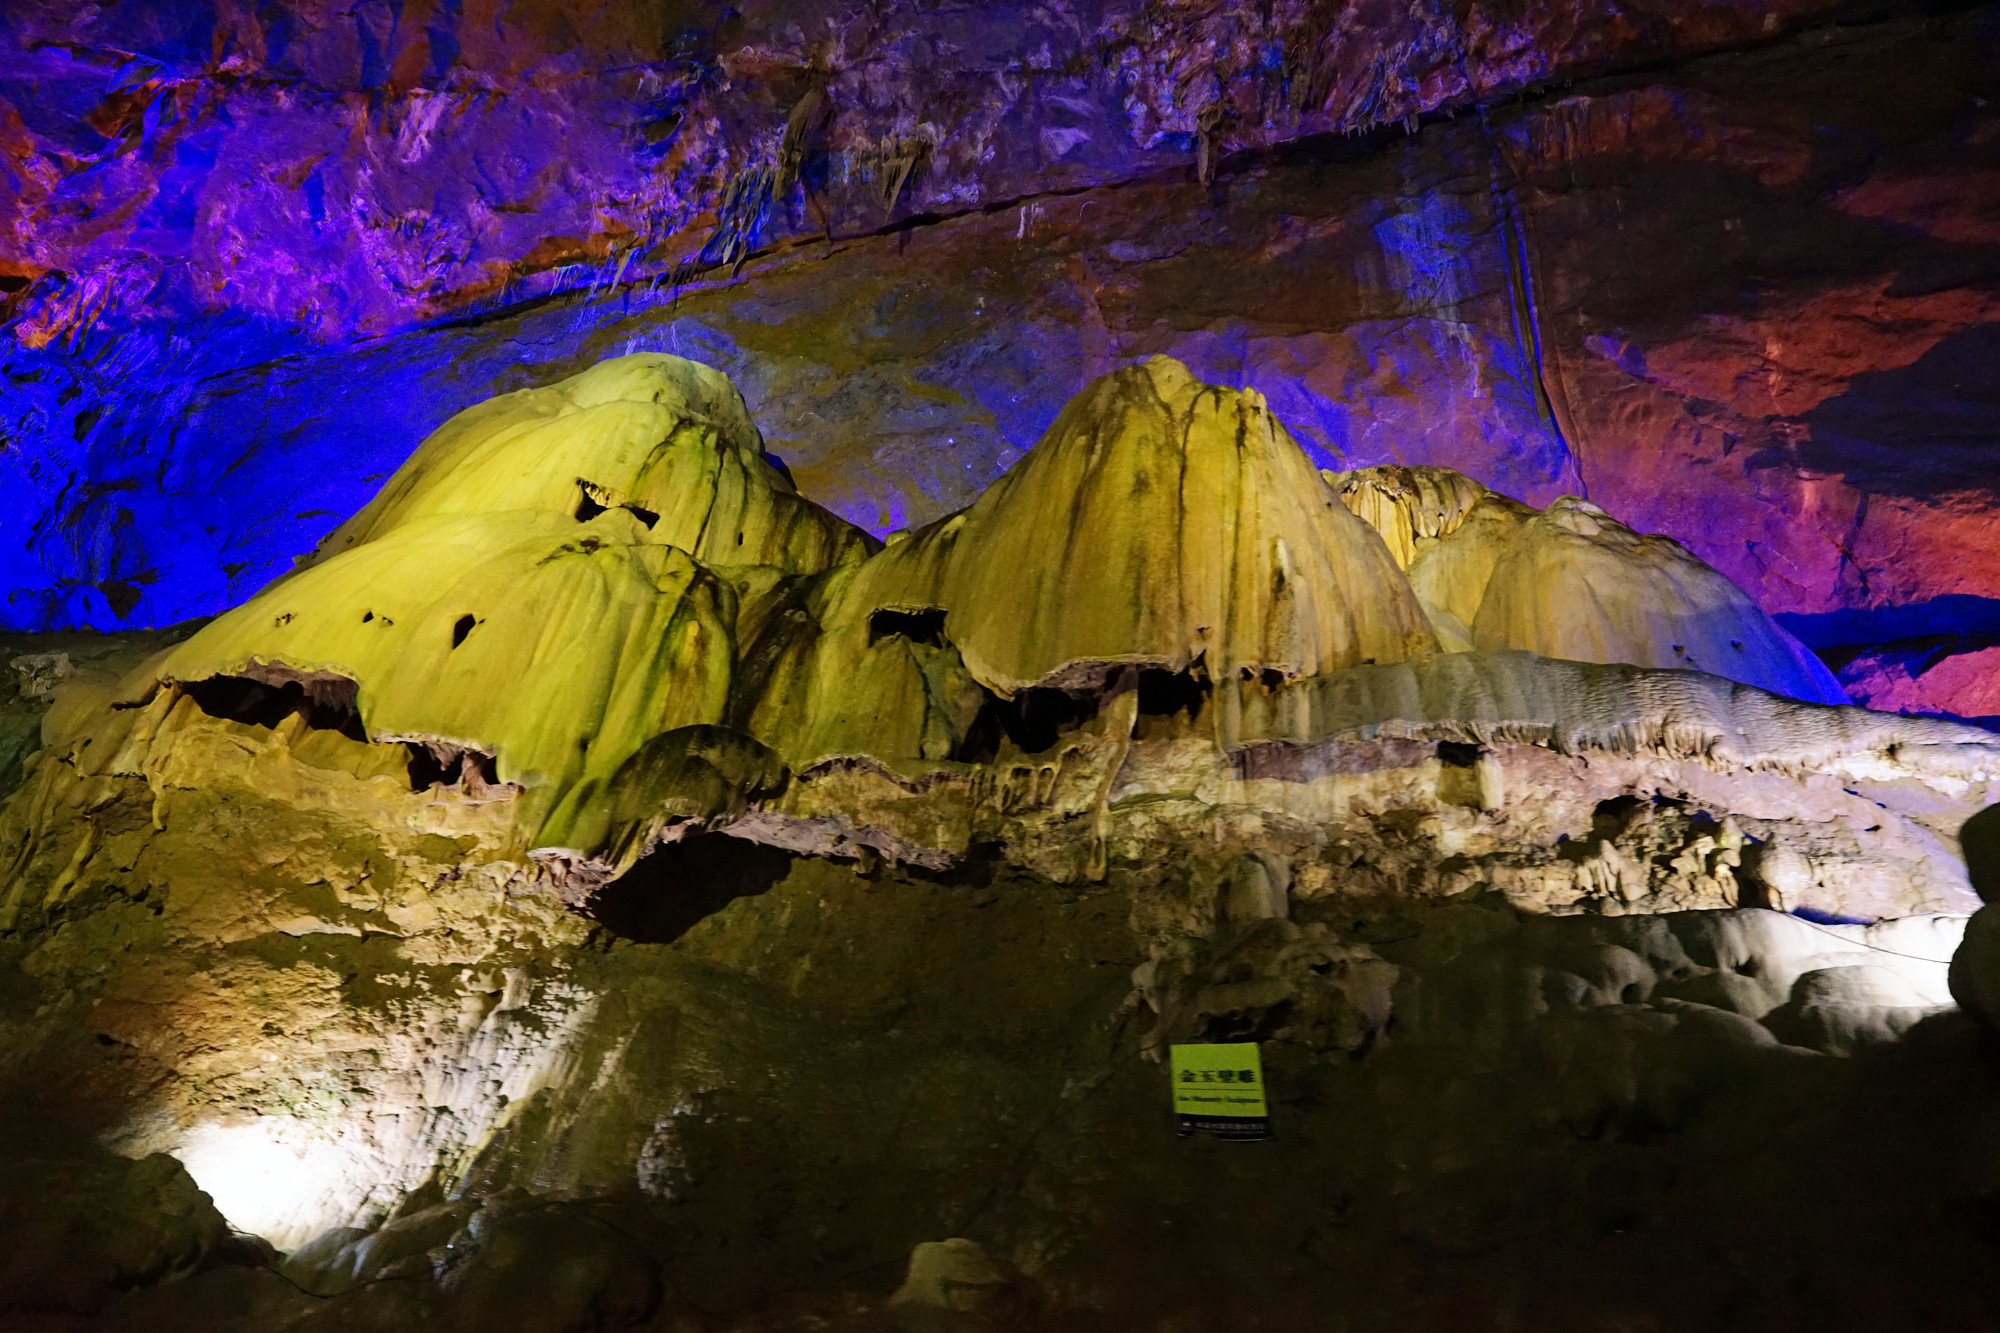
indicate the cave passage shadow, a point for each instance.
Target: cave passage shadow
{"x":1979,"y":843}
{"x":679,"y":884}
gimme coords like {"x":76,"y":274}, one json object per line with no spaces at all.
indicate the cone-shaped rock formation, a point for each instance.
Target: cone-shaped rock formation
{"x":1160,"y":520}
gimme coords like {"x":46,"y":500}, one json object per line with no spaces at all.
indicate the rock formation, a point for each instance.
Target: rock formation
{"x":203,"y":135}
{"x":1726,"y":271}
{"x":1571,"y":582}
{"x":600,"y":889}
{"x":536,"y":589}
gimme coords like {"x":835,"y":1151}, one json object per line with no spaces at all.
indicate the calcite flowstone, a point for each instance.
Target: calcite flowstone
{"x":703,"y":934}
{"x":1162,"y":525}
{"x":644,"y":627}
{"x":1571,"y":582}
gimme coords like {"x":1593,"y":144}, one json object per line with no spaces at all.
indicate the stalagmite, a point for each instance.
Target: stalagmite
{"x":539,"y":584}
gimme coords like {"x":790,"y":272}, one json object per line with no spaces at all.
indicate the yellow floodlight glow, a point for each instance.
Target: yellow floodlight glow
{"x":270,"y":1177}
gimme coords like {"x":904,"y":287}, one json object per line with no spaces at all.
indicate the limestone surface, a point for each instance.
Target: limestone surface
{"x":629,"y":936}
{"x":1572,"y":582}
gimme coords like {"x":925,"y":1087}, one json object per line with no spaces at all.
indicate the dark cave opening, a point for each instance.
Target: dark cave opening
{"x":678,"y":884}
{"x":1033,"y":720}
{"x":440,"y":764}
{"x":1248,"y":1025}
{"x":588,"y":507}
{"x":1458,"y":754}
{"x":326,"y":701}
{"x":1163,"y":693}
{"x":1036,"y":719}
{"x":925,"y":626}
{"x":329,"y":702}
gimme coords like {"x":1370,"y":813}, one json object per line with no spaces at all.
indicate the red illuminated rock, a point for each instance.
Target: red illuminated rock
{"x":1927,"y":680}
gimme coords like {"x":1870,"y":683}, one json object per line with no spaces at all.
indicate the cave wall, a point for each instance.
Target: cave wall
{"x":354,"y":169}
{"x":1743,"y":297}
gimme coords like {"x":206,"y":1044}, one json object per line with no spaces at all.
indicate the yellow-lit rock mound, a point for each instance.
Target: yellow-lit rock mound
{"x":663,"y":438}
{"x":1160,"y":521}
{"x":537,"y":585}
{"x":599,"y":619}
{"x":1160,"y":524}
{"x":1571,"y":582}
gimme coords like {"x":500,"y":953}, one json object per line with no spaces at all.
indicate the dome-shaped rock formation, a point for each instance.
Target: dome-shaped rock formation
{"x":536,"y":585}
{"x":1572,"y":582}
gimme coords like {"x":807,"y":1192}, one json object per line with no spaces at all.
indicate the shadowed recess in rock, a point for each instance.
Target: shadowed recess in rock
{"x":678,"y":884}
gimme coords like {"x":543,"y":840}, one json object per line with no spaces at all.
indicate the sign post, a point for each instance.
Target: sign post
{"x":1219,"y":1090}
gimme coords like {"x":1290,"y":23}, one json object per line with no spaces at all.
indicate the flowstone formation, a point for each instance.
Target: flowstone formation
{"x":1571,"y":582}
{"x":601,"y":889}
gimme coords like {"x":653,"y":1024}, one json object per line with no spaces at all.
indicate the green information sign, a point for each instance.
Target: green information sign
{"x":1219,"y":1090}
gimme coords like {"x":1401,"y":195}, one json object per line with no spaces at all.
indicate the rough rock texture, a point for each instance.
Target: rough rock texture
{"x":1742,"y":300}
{"x":286,"y":161}
{"x":1568,"y":976}
{"x":751,"y":1123}
{"x":83,"y":1224}
{"x":1928,"y":677}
